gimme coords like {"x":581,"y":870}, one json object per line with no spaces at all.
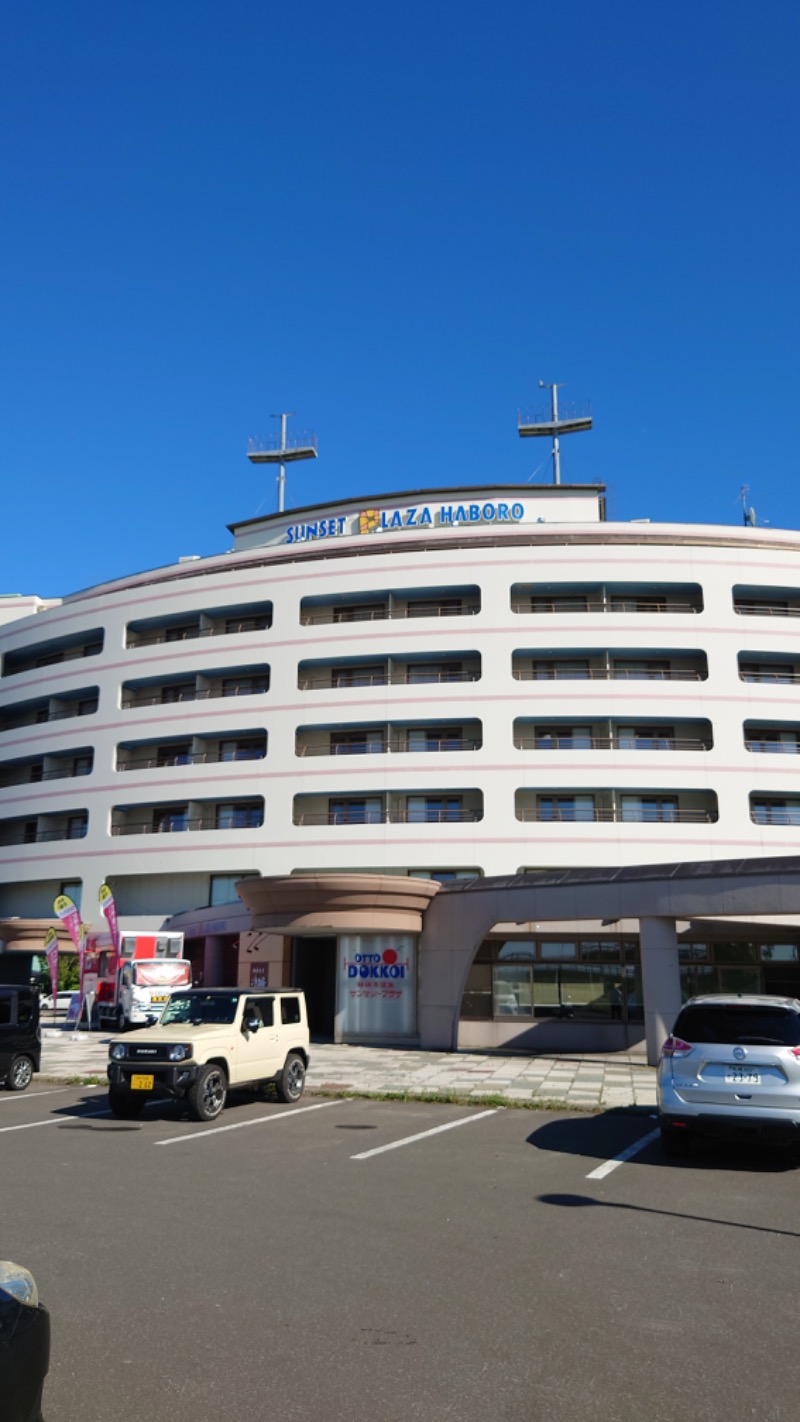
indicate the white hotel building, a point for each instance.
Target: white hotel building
{"x":438,"y":684}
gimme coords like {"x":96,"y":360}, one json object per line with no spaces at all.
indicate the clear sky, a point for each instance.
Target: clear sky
{"x":393,"y":220}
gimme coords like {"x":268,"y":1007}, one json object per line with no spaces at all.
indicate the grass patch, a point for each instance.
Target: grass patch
{"x":455,"y":1098}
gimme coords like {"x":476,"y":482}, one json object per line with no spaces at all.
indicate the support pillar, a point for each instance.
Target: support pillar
{"x":661,"y":984}
{"x":214,"y":962}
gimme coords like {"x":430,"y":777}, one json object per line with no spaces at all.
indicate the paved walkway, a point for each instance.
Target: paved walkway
{"x":586,"y":1083}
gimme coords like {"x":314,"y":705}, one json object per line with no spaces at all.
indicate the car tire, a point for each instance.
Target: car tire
{"x":675,"y":1142}
{"x":292,"y":1080}
{"x":20,"y":1074}
{"x":207,"y":1096}
{"x":125,"y":1105}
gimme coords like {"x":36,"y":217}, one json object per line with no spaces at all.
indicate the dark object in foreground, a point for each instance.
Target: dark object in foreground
{"x":24,"y":1346}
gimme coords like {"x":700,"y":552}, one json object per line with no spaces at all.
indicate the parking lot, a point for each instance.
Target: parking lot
{"x":389,"y":1261}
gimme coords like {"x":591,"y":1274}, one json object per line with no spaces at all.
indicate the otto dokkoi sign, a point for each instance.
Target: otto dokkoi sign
{"x":377,"y":986}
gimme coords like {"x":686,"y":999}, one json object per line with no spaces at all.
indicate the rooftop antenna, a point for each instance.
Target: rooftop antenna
{"x":748,"y":513}
{"x":555,"y":426}
{"x":283,"y":454}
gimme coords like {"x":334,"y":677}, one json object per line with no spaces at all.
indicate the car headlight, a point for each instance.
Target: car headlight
{"x":117,"y":1051}
{"x":19,"y":1282}
{"x":179,"y":1054}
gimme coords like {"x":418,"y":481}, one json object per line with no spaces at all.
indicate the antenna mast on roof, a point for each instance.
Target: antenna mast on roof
{"x":555,"y":426}
{"x":283,"y":454}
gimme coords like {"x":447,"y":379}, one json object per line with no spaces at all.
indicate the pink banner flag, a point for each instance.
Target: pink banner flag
{"x":108,"y":909}
{"x":70,"y":917}
{"x":51,"y":950}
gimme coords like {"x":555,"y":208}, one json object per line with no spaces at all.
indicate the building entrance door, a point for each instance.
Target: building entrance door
{"x":314,"y":971}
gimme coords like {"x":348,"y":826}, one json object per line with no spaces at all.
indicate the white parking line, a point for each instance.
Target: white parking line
{"x":631,"y":1150}
{"x":30,"y":1095}
{"x":54,"y":1121}
{"x":420,"y":1136}
{"x":240,"y":1125}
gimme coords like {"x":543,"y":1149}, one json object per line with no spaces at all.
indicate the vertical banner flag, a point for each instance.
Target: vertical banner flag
{"x":65,"y":909}
{"x":51,"y":952}
{"x":109,"y":910}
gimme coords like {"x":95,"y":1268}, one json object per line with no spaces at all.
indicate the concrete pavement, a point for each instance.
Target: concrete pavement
{"x":581,"y":1083}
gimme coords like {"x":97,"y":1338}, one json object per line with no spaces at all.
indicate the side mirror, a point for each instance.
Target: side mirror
{"x":252,"y":1024}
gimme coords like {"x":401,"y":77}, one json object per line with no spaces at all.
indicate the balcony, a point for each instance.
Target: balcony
{"x":389,"y":808}
{"x":772,"y":738}
{"x":54,"y":651}
{"x":386,"y":606}
{"x":558,"y":598}
{"x":609,"y":665}
{"x":45,"y":709}
{"x":345,"y":675}
{"x":390,"y":738}
{"x":204,"y":686}
{"x":44,"y":829}
{"x":775,"y":810}
{"x":686,"y":807}
{"x":216,"y":622}
{"x":195,"y":750}
{"x":541,"y":735}
{"x":186,"y":818}
{"x":769,"y":669}
{"x":35,"y":770}
{"x":753,"y":601}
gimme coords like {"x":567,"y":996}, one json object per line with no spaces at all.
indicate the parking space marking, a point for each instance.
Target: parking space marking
{"x":631,"y":1150}
{"x":420,"y":1136}
{"x":240,"y":1125}
{"x":53,"y":1121}
{"x":31,"y":1095}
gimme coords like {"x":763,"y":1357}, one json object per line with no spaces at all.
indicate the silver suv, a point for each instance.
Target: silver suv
{"x":731,"y":1069}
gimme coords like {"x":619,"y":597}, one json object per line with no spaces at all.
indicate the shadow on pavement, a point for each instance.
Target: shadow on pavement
{"x":586,"y":1201}
{"x":602,"y":1137}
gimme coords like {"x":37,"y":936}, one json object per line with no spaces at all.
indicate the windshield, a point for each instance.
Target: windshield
{"x":200,"y":1008}
{"x":159,"y":972}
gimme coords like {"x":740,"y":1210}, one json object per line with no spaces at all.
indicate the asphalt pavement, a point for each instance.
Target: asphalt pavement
{"x":585,"y":1083}
{"x":351,"y":1260}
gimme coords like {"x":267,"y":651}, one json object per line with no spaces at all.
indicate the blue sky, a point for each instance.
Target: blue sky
{"x":393,"y":220}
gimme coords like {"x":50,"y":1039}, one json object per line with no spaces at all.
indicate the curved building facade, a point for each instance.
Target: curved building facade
{"x":445,"y":684}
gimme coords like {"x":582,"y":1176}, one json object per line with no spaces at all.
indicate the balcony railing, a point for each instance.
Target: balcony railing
{"x":17,"y":723}
{"x":186,"y":825}
{"x":773,"y":747}
{"x":765,"y":609}
{"x":22,"y":776}
{"x":382,"y":678}
{"x":609,"y":674}
{"x":73,"y":654}
{"x":130,"y":701}
{"x":190,"y":758}
{"x":39,"y":836}
{"x":775,"y":815}
{"x":597,"y":605}
{"x":396,"y":747}
{"x":190,"y":634}
{"x":396,"y":816}
{"x":771,"y":678}
{"x":383,"y":614}
{"x":613,"y":815}
{"x":655,"y":743}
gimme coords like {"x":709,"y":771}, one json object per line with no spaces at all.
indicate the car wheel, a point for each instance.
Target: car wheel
{"x":20,"y":1074}
{"x":675,"y":1142}
{"x":292,"y":1080}
{"x":120,"y":1022}
{"x":125,"y":1104}
{"x":207,"y":1096}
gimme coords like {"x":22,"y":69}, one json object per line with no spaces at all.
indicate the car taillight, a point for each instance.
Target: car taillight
{"x":794,"y":1051}
{"x":675,"y":1047}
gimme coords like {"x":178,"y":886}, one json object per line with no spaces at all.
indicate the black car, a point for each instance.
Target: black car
{"x":24,"y":1346}
{"x":20,"y":1036}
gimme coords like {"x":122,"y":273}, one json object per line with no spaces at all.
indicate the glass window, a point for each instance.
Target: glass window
{"x":779,"y":953}
{"x":512,"y":992}
{"x":552,"y":950}
{"x":223,"y":888}
{"x":290,"y":1010}
{"x":516,"y":948}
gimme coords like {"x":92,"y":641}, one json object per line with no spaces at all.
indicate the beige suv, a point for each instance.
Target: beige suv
{"x":207,"y":1042}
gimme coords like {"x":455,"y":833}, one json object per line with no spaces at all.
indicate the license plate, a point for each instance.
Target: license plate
{"x":162,"y":997}
{"x":739,"y":1077}
{"x":139,"y":1082}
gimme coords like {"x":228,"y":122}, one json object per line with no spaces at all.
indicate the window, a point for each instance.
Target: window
{"x":360,"y":612}
{"x":774,"y":742}
{"x":431,"y":607}
{"x":569,"y":602}
{"x":30,"y":831}
{"x":436,"y":738}
{"x":222,"y":889}
{"x":180,"y":754}
{"x":638,"y":602}
{"x":239,"y":816}
{"x":170,"y":819}
{"x":641,"y":670}
{"x":358,"y":676}
{"x":82,"y":764}
{"x":247,"y":624}
{"x":242,"y":748}
{"x":72,"y":888}
{"x":775,"y":812}
{"x":261,"y":1008}
{"x":181,"y":634}
{"x":766,"y":671}
{"x":420,"y":673}
{"x":650,"y":808}
{"x":646,"y":737}
{"x":77,"y":826}
{"x":563,"y":738}
{"x":565,"y":807}
{"x":87,"y":707}
{"x":355,"y":812}
{"x":244,"y":685}
{"x":572,"y":670}
{"x":36,"y":772}
{"x":435,"y":809}
{"x":290,"y":1010}
{"x":357,"y":742}
{"x":178,"y":691}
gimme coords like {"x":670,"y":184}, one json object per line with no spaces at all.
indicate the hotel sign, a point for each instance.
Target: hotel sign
{"x":393,"y":520}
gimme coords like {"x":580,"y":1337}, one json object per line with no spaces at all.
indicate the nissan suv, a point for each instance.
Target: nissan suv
{"x":731,"y":1069}
{"x":208,"y":1041}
